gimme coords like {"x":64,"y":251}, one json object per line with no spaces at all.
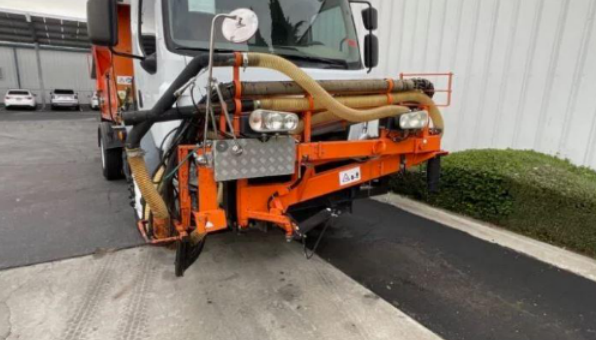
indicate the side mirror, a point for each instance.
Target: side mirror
{"x":370,"y":18}
{"x":371,"y":51}
{"x":102,"y":22}
{"x":150,"y":63}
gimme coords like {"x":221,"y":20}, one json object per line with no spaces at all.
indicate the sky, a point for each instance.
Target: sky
{"x":61,"y":8}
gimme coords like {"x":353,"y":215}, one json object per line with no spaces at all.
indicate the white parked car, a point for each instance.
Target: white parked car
{"x":19,"y":98}
{"x":64,"y":99}
{"x":94,"y":101}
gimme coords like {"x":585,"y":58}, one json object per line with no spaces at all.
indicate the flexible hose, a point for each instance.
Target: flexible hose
{"x":328,"y":117}
{"x":302,"y":104}
{"x":161,"y":216}
{"x":135,"y":155}
{"x":318,"y":92}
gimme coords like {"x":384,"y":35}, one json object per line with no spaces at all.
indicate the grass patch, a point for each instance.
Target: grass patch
{"x":524,"y":191}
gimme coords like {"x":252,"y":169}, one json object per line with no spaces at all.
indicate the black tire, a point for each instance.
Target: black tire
{"x":111,"y":163}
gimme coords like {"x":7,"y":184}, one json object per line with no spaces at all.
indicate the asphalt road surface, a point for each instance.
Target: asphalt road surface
{"x":54,"y":204}
{"x":456,"y":285}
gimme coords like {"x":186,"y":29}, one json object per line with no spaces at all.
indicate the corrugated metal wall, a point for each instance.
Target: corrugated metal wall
{"x":525,"y":69}
{"x":61,"y":69}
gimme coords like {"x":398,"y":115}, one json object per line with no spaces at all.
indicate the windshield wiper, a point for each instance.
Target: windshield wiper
{"x":318,"y":60}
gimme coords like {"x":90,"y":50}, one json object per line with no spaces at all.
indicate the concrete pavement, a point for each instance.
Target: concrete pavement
{"x":244,"y":287}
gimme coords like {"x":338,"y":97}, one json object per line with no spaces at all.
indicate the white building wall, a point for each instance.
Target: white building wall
{"x":61,"y":70}
{"x":525,"y":70}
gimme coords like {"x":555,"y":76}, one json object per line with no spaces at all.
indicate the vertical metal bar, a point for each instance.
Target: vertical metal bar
{"x":40,"y":75}
{"x":16,"y":67}
{"x":39,"y":67}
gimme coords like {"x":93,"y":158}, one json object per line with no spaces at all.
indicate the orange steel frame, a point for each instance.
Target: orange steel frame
{"x":270,"y":202}
{"x":109,"y":66}
{"x":448,"y":91}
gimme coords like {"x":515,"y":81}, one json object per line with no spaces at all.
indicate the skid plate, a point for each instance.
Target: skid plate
{"x":275,"y":157}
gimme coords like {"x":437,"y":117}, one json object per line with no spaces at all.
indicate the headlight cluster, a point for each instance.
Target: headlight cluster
{"x":273,"y":121}
{"x":414,"y":120}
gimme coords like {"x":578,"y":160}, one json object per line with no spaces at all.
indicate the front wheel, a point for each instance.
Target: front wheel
{"x":111,"y":162}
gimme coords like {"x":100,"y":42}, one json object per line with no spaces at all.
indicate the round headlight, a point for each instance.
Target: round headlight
{"x":291,"y":122}
{"x":274,"y":121}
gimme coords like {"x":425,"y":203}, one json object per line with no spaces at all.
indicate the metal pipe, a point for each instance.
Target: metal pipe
{"x":279,"y":88}
{"x":40,"y":75}
{"x":210,"y":80}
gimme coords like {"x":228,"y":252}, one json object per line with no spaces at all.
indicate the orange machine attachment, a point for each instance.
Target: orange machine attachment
{"x":322,"y":168}
{"x":200,"y":200}
{"x":114,"y":74}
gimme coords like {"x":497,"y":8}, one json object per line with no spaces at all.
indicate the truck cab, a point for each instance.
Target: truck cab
{"x":320,"y":37}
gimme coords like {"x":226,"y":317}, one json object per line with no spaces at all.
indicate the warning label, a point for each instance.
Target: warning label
{"x":350,"y":176}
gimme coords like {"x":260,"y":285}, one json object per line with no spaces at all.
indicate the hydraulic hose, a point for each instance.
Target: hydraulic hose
{"x":168,"y":99}
{"x":328,"y":117}
{"x":135,"y":155}
{"x":301,"y":104}
{"x":318,"y":92}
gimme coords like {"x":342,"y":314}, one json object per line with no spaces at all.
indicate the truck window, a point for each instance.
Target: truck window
{"x":148,"y":38}
{"x":304,"y":30}
{"x":64,"y":92}
{"x":19,"y":93}
{"x":328,"y":29}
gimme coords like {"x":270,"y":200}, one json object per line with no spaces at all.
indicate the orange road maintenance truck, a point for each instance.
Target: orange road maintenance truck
{"x":227,"y":114}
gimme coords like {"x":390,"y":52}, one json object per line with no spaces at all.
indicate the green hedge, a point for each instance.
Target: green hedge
{"x":534,"y":194}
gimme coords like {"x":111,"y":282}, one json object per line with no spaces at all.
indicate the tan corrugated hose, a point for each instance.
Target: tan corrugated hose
{"x":301,"y":104}
{"x":161,"y":215}
{"x":342,"y":107}
{"x":318,"y":92}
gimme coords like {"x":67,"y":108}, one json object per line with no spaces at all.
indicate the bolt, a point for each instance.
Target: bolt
{"x":237,"y":150}
{"x":202,"y":160}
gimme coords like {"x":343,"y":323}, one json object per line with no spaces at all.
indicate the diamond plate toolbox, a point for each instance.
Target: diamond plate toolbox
{"x":275,"y":157}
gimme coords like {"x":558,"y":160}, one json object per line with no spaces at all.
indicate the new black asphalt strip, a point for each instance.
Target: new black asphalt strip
{"x":456,"y":285}
{"x":54,"y":204}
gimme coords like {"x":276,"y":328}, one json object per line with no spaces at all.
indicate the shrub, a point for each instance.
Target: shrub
{"x":534,"y":194}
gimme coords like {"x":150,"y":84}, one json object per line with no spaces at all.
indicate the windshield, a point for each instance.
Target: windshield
{"x":309,"y":31}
